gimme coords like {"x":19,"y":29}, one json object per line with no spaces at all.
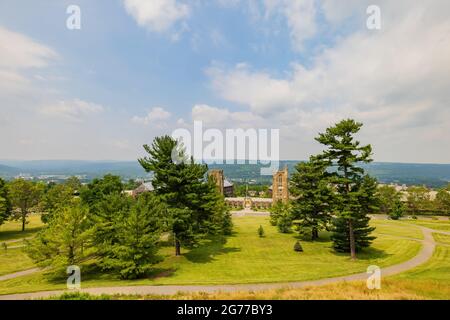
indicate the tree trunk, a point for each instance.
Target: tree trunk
{"x":315,"y":233}
{"x":24,"y":217}
{"x":177,"y":247}
{"x":352,"y":240}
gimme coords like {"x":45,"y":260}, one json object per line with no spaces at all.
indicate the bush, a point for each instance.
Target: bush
{"x":79,"y":296}
{"x":261,"y":232}
{"x":284,"y":222}
{"x":298,"y":247}
{"x":397,"y":210}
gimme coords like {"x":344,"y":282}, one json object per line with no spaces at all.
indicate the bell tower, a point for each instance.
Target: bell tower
{"x":280,"y":189}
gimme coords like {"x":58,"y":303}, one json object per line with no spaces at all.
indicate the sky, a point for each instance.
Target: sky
{"x":142,"y":68}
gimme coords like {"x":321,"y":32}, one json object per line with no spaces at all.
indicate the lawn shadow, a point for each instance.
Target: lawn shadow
{"x":208,"y":249}
{"x":18,"y":234}
{"x":365,"y":254}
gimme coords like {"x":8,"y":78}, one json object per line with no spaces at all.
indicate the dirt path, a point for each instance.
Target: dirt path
{"x":424,"y":255}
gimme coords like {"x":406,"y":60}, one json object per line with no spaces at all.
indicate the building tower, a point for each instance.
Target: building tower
{"x":218,"y":177}
{"x":280,"y":190}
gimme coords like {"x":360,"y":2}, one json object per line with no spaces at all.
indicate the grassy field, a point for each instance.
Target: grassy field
{"x":442,"y":238}
{"x":12,"y":230}
{"x":246,"y":258}
{"x":13,"y":260}
{"x":428,"y":281}
{"x":432,"y":224}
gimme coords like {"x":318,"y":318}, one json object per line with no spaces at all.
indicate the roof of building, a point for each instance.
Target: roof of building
{"x":145,"y":187}
{"x":227,"y":183}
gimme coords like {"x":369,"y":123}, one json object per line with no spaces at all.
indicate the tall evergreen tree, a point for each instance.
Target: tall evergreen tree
{"x":134,"y":251}
{"x":5,"y":202}
{"x":313,"y":197}
{"x":354,"y":192}
{"x":193,"y":204}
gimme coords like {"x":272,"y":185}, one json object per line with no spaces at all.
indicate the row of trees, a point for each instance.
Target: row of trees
{"x":332,"y":192}
{"x":117,"y":232}
{"x":415,"y":200}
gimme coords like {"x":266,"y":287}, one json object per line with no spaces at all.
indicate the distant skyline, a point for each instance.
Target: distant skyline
{"x":138,"y":69}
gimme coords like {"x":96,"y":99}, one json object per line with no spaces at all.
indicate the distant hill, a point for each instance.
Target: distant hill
{"x":7,"y":170}
{"x":432,"y":175}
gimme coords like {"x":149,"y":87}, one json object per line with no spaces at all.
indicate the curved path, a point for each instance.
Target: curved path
{"x":424,"y":255}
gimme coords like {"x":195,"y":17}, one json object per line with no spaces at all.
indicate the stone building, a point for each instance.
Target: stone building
{"x":280,"y":186}
{"x":224,"y":186}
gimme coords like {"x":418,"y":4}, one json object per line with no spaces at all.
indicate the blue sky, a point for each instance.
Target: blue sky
{"x":139,"y":68}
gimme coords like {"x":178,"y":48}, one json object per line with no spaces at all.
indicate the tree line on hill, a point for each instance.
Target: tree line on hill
{"x":114,"y":231}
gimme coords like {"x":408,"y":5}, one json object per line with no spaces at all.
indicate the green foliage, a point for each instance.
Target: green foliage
{"x":74,"y":183}
{"x":55,"y":197}
{"x":418,"y":200}
{"x":281,"y":216}
{"x":298,"y":247}
{"x":79,"y":296}
{"x":65,"y":241}
{"x":261,"y":233}
{"x":131,"y":184}
{"x":134,"y":251}
{"x":24,"y":195}
{"x":397,"y":210}
{"x":195,"y":207}
{"x":313,"y":197}
{"x":284,"y":222}
{"x":354,"y":195}
{"x":443,"y":201}
{"x":95,"y":191}
{"x":387,"y":197}
{"x":106,"y":219}
{"x":5,"y":202}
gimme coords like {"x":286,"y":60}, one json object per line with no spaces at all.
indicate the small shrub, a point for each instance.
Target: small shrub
{"x":298,"y":247}
{"x":261,"y":232}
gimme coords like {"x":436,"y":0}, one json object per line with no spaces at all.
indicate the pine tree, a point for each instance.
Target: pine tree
{"x":134,"y":251}
{"x":261,"y":232}
{"x":354,"y":192}
{"x":106,"y":220}
{"x":65,"y":241}
{"x":313,"y":197}
{"x":194,"y":207}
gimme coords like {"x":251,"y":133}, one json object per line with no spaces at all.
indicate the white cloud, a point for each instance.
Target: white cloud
{"x":18,"y":51}
{"x":153,"y":116}
{"x":74,"y":110}
{"x":156,"y":15}
{"x":223,"y":118}
{"x":394,"y":80}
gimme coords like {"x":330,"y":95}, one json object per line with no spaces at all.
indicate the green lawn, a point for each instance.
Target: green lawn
{"x":13,"y":260}
{"x":432,"y":224}
{"x":389,"y":227}
{"x":12,"y":230}
{"x":246,"y":258}
{"x":442,"y":238}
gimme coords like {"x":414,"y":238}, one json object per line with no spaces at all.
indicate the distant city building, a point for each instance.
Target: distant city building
{"x":144,"y":187}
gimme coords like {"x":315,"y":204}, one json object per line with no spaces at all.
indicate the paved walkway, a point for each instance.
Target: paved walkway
{"x":18,"y":274}
{"x":424,"y":255}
